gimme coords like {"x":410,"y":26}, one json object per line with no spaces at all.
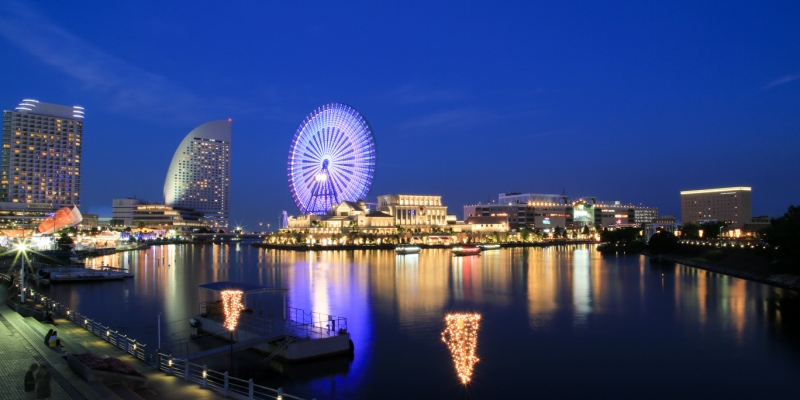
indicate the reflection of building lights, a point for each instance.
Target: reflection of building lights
{"x":232,"y":301}
{"x":461,"y":337}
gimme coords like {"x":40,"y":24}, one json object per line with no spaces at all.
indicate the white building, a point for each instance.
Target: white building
{"x":122,"y":211}
{"x":414,"y":211}
{"x":41,"y":157}
{"x":199,"y":174}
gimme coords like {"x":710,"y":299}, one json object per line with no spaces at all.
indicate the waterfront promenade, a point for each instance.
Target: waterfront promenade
{"x":22,"y":344}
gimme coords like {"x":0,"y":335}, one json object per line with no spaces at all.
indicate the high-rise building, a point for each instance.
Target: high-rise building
{"x":41,"y":157}
{"x":732,"y":205}
{"x":199,"y":174}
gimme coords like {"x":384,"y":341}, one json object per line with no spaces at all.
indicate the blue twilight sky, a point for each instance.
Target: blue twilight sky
{"x":620,"y":100}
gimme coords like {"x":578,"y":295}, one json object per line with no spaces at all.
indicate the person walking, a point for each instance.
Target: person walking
{"x":30,"y":382}
{"x":42,"y":383}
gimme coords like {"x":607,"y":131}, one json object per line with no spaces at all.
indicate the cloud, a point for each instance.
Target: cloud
{"x":121,"y":84}
{"x":781,"y":81}
{"x":448,"y":120}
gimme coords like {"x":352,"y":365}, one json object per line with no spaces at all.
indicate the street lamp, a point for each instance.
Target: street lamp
{"x":21,"y":247}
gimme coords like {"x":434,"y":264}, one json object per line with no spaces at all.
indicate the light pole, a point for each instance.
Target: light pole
{"x":21,"y":248}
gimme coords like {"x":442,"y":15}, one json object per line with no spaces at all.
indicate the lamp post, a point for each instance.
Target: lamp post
{"x":21,"y":248}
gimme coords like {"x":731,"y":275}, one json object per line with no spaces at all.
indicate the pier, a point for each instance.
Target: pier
{"x":292,"y":335}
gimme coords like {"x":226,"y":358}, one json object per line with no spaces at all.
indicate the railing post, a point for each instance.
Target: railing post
{"x":205,"y":376}
{"x":170,"y":365}
{"x":280,"y":394}
{"x":250,"y":396}
{"x":225,"y":392}
{"x":186,"y":370}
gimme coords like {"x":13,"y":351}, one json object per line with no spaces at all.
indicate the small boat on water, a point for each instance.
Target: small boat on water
{"x":71,"y":274}
{"x":491,"y":246}
{"x":466,"y":251}
{"x":405,"y":249}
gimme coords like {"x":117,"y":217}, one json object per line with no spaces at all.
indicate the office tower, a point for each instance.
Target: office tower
{"x":732,"y":205}
{"x":199,"y":174}
{"x":41,"y":157}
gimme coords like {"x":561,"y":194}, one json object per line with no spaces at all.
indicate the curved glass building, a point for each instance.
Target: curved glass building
{"x":199,"y":174}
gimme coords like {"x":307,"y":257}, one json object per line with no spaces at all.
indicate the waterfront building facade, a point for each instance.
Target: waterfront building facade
{"x":24,"y":215}
{"x":166,"y":217}
{"x":41,"y":156}
{"x":547,"y":212}
{"x":414,"y":211}
{"x":199,"y":174}
{"x":489,"y":224}
{"x":122,"y":211}
{"x":732,"y":205}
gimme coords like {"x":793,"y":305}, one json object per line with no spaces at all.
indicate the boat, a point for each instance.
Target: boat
{"x":490,"y":246}
{"x":405,"y":249}
{"x":466,"y":251}
{"x":71,"y":274}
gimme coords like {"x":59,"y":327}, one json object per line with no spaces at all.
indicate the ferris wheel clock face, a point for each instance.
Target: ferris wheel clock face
{"x":332,"y":159}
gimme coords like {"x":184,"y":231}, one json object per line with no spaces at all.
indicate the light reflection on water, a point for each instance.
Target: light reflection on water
{"x":622,"y":324}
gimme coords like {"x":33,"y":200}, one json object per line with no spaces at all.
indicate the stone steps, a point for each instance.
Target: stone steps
{"x":62,"y":373}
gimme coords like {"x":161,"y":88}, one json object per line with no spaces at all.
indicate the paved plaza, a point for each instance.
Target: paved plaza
{"x":22,"y":344}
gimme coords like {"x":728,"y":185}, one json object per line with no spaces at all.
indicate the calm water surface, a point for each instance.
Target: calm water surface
{"x":560,"y":322}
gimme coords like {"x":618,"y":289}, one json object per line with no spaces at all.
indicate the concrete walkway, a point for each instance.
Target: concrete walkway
{"x":22,"y":344}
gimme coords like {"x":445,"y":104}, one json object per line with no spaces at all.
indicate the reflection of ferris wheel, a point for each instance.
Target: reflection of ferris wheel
{"x":332,"y":159}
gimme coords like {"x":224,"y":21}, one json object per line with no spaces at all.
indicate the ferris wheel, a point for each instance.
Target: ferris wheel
{"x":332,"y":159}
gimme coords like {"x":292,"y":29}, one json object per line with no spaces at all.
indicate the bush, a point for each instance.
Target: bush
{"x":109,"y":364}
{"x":663,"y":242}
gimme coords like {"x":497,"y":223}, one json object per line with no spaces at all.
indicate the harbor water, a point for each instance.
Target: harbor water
{"x":557,"y":322}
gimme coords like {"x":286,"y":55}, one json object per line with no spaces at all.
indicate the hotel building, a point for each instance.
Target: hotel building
{"x":199,"y":174}
{"x":732,"y":205}
{"x":41,"y":157}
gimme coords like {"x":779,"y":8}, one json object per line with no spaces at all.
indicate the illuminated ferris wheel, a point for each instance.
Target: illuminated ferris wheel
{"x":332,"y":159}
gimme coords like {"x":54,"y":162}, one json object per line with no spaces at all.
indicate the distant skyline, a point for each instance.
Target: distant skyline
{"x":623,"y":100}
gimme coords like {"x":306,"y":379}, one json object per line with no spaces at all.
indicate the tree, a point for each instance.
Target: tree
{"x":783,"y":234}
{"x":712,"y":230}
{"x":663,"y":242}
{"x":690,"y":231}
{"x":585,"y":230}
{"x":65,"y":242}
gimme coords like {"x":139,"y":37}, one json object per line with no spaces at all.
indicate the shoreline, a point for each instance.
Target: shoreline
{"x":785,"y":281}
{"x":422,"y":246}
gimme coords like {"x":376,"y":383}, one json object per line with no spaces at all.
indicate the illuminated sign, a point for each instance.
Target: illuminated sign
{"x":583,"y":212}
{"x":546,"y":221}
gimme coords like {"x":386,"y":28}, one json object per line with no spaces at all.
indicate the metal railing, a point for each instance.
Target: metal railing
{"x":297,"y":323}
{"x":209,"y":379}
{"x":219,"y":382}
{"x":113,"y":337}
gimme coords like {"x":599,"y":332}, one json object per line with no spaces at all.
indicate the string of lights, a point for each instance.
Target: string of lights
{"x":461,"y":336}
{"x":232,"y":301}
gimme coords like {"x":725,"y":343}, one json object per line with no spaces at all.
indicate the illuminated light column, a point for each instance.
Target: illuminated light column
{"x":232,"y":301}
{"x":461,"y":336}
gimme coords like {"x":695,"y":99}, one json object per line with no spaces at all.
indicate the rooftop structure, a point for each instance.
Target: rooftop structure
{"x":41,"y":157}
{"x":199,"y":174}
